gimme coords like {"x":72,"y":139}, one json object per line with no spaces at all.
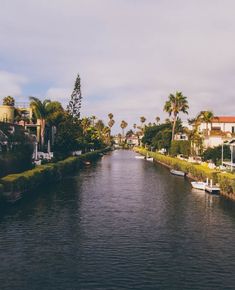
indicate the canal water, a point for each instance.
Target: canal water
{"x":121,"y":223}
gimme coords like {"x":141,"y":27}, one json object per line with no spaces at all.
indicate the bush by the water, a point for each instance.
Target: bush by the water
{"x":215,"y":154}
{"x":30,"y":179}
{"x":199,"y":172}
{"x":180,"y":147}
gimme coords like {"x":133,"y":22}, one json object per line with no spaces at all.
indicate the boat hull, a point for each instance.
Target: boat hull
{"x":198,"y":185}
{"x":178,"y":173}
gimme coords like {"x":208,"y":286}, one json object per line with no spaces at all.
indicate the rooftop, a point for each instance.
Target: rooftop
{"x":224,"y":119}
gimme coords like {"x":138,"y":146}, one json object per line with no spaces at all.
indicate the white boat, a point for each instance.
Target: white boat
{"x":178,"y":172}
{"x":140,"y":157}
{"x":149,"y":159}
{"x":199,"y":185}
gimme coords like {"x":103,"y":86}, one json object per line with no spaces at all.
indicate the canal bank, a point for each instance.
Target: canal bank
{"x":14,"y":185}
{"x":198,"y":172}
{"x":121,"y":223}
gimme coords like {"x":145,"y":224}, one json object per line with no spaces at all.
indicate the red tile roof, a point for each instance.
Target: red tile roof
{"x":224,"y":119}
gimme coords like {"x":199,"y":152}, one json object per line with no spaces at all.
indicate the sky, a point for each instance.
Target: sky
{"x":130,"y":54}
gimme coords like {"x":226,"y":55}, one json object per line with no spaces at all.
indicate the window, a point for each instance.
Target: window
{"x":233,"y":129}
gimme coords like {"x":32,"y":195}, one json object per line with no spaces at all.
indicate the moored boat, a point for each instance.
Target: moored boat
{"x":149,"y":159}
{"x":178,"y":172}
{"x":140,"y":157}
{"x":199,"y":185}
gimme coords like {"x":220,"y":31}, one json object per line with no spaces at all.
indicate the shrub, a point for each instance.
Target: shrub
{"x":46,"y":173}
{"x":227,"y":182}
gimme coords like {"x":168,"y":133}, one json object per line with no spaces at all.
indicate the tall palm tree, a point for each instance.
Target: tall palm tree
{"x":85,"y":123}
{"x":110,"y":115}
{"x":8,"y":101}
{"x":142,"y":120}
{"x":123,"y":125}
{"x":174,"y":105}
{"x":206,"y":117}
{"x":111,"y":123}
{"x":40,"y":111}
{"x":157,"y":119}
{"x":93,"y":118}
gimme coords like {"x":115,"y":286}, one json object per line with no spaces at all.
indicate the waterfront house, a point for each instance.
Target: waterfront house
{"x":220,"y":129}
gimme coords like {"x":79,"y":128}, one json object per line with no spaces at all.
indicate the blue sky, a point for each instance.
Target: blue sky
{"x":130,"y":54}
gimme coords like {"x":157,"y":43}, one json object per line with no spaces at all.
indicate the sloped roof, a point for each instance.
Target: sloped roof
{"x":224,"y":119}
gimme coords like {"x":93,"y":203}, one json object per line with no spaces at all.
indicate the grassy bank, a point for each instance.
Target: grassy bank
{"x":43,"y":174}
{"x":196,"y":171}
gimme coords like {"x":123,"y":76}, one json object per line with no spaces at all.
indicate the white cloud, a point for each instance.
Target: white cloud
{"x":11,"y":84}
{"x":130,"y":54}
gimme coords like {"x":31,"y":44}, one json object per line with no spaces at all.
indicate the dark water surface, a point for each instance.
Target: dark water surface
{"x":122,"y":223}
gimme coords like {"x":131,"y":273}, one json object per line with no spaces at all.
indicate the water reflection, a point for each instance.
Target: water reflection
{"x":122,"y":223}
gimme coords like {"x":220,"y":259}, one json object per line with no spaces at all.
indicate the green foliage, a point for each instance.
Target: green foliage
{"x":174,"y":105}
{"x":8,"y":101}
{"x":199,"y":172}
{"x":68,"y":138}
{"x":45,"y":174}
{"x":74,"y":105}
{"x":158,"y":136}
{"x":227,"y":184}
{"x":180,"y":147}
{"x":215,"y":154}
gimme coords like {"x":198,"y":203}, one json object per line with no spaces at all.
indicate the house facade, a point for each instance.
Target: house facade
{"x":221,"y":129}
{"x":225,"y":124}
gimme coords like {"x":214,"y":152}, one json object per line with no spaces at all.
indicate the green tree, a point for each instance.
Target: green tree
{"x":74,"y":105}
{"x":123,"y":126}
{"x":174,"y":105}
{"x":206,"y":117}
{"x":215,"y":154}
{"x":40,"y":111}
{"x":157,"y":119}
{"x":110,"y":124}
{"x":8,"y":101}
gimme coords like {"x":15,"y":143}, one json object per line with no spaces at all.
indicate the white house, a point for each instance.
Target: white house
{"x":220,"y":129}
{"x":224,"y":124}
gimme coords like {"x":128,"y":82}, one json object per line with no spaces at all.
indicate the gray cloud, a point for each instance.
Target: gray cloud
{"x":130,"y":53}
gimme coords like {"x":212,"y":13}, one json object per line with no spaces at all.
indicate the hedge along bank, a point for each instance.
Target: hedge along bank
{"x":196,"y":171}
{"x":30,"y":179}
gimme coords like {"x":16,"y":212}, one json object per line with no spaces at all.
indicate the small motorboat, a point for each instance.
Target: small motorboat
{"x":149,"y":159}
{"x":140,"y":157}
{"x":178,"y":172}
{"x":199,"y":185}
{"x":87,"y":162}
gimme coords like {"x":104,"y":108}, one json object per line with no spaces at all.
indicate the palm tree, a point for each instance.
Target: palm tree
{"x":40,"y":111}
{"x":93,"y":118}
{"x":85,"y":123}
{"x":157,"y":119}
{"x":176,"y":103}
{"x":123,"y":125}
{"x":8,"y":101}
{"x":110,"y":115}
{"x":206,"y":117}
{"x":142,"y":120}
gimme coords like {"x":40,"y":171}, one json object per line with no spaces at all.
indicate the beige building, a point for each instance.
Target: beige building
{"x":7,"y":114}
